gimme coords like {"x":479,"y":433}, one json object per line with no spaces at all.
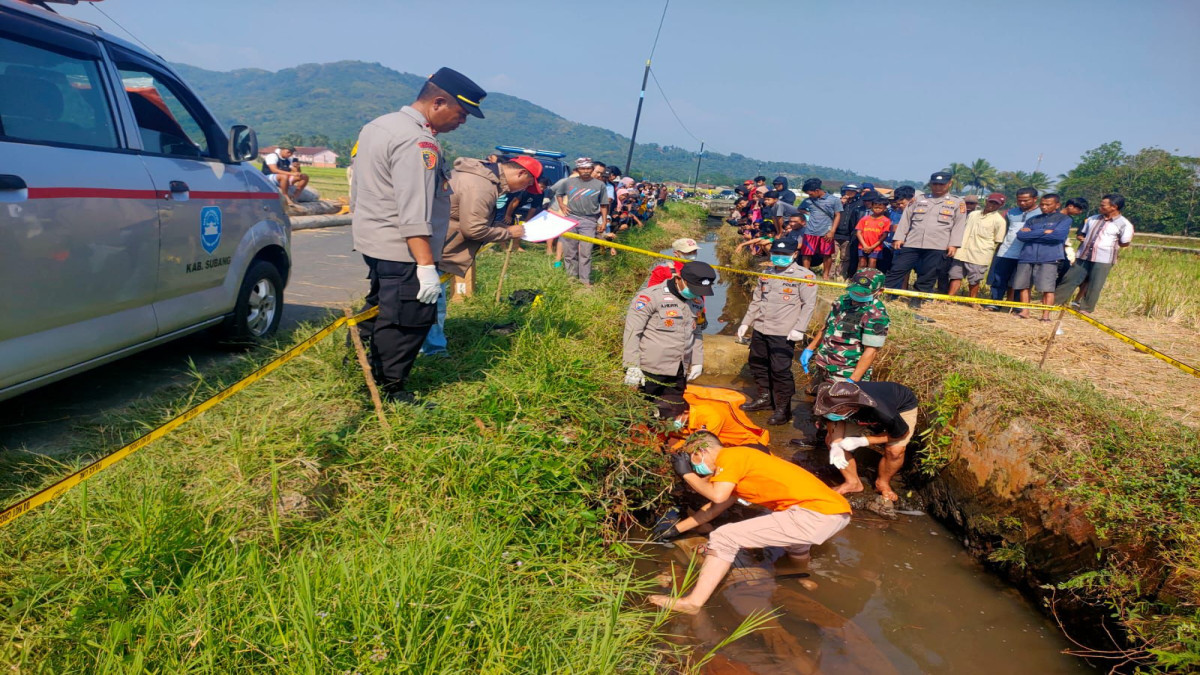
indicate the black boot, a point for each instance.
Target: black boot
{"x":763,"y":402}
{"x":783,"y":414}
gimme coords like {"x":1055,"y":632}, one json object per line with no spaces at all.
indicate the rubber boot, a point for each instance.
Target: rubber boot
{"x":783,"y":414}
{"x":763,"y":402}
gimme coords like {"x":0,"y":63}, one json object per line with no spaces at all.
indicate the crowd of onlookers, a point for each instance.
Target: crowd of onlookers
{"x":1015,"y":250}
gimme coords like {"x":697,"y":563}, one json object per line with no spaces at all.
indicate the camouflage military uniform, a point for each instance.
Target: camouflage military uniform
{"x":849,"y":329}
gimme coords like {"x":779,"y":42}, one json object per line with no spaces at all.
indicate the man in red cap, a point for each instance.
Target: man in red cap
{"x":984,"y":232}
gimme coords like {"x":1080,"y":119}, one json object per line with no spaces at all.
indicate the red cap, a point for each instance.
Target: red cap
{"x":997,"y":197}
{"x":534,"y":167}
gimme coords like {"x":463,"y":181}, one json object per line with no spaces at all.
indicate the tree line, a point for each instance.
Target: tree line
{"x":1162,"y":190}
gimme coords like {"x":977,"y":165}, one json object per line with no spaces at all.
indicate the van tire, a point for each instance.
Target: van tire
{"x":258,"y":309}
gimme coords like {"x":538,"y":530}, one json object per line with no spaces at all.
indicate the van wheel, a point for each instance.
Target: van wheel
{"x":259,"y":306}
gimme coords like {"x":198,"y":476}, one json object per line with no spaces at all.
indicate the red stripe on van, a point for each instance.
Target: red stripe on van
{"x":90,"y":193}
{"x":112,"y":193}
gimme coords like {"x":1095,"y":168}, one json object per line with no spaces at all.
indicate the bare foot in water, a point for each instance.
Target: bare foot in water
{"x":673,"y":604}
{"x":848,"y":488}
{"x":886,"y":491}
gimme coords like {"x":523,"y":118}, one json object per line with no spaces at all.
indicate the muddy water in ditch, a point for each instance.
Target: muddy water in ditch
{"x":899,"y":596}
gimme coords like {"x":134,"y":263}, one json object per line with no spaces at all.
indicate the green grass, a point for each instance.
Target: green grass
{"x":1156,"y":284}
{"x":285,"y":531}
{"x":331,"y":182}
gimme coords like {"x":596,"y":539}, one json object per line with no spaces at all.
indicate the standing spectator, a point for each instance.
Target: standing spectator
{"x":845,"y":241}
{"x":901,"y":197}
{"x":780,"y":185}
{"x":824,"y":216}
{"x":871,"y":230}
{"x":586,"y":200}
{"x":1102,"y":237}
{"x":1043,"y":236}
{"x":1073,"y":207}
{"x":760,"y":182}
{"x":985,"y":231}
{"x":930,"y":229}
{"x":1005,"y":261}
{"x":972,"y":202}
{"x":401,"y":215}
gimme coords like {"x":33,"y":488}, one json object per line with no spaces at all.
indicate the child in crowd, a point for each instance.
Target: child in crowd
{"x":871,"y":230}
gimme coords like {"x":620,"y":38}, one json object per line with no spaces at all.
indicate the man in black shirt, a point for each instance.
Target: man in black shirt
{"x":862,"y":414}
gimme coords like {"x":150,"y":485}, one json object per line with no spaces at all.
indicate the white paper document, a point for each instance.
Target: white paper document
{"x":547,"y":225}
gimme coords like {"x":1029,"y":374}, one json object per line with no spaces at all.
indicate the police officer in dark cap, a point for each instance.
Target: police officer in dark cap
{"x":779,"y":313}
{"x":401,"y":214}
{"x":928,"y":235}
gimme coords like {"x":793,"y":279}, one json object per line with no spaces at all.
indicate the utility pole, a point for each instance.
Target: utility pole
{"x":699,"y":158}
{"x":637,"y":118}
{"x":642,"y":96}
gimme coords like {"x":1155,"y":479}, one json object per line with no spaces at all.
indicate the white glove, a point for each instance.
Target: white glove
{"x":852,"y":443}
{"x":431,"y":284}
{"x":742,"y":330}
{"x":796,"y":336}
{"x":695,"y":371}
{"x":634,"y":377}
{"x":837,"y":456}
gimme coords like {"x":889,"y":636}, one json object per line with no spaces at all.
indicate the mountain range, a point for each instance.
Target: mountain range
{"x":332,"y":101}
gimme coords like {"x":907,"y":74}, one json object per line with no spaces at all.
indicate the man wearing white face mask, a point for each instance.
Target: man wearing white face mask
{"x":778,"y":314}
{"x":681,"y":248}
{"x":664,"y":346}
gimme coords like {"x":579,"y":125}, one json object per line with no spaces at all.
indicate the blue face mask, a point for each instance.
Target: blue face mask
{"x":678,"y":423}
{"x":834,"y":417}
{"x":687,"y":293}
{"x":701,"y":469}
{"x":781,"y":260}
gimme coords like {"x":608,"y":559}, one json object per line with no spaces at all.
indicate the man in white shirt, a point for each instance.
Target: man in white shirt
{"x":1102,"y":238}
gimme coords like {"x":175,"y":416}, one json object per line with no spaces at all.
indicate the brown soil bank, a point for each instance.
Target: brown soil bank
{"x":1086,"y":501}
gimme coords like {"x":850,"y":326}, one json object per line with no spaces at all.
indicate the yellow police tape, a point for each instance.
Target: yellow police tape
{"x":54,"y":491}
{"x":1142,"y":347}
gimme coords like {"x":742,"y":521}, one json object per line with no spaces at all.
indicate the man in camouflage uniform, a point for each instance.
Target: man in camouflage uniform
{"x":663,"y":344}
{"x":855,"y":329}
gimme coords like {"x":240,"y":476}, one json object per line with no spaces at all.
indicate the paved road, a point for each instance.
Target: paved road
{"x":326,"y":275}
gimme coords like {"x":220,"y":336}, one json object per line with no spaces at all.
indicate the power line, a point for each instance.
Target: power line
{"x":118,"y":24}
{"x":659,"y":31}
{"x":672,"y":108}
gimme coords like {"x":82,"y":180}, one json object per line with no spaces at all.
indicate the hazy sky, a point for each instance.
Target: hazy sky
{"x":894,"y":89}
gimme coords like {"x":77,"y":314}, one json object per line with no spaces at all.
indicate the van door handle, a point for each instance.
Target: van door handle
{"x":10,"y":182}
{"x":179,"y":186}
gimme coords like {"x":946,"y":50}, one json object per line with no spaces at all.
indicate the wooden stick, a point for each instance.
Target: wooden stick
{"x":1050,"y":342}
{"x":366,"y":368}
{"x":504,"y":268}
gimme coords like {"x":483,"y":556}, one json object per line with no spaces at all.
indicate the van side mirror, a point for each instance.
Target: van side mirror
{"x":243,"y":143}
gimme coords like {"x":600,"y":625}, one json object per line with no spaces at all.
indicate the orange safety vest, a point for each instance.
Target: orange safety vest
{"x":716,"y":409}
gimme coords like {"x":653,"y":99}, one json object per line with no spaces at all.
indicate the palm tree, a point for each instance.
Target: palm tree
{"x":982,"y":175}
{"x":961,"y":172}
{"x":1039,"y":180}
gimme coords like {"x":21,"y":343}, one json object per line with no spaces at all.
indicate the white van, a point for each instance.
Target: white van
{"x":127,"y":216}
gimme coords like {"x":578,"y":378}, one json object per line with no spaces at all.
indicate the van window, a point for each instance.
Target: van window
{"x":50,"y":97}
{"x":166,"y":125}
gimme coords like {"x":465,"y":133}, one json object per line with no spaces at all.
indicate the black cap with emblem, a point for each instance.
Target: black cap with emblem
{"x":700,"y":277}
{"x":783,"y":247}
{"x":460,"y":87}
{"x":941,"y":178}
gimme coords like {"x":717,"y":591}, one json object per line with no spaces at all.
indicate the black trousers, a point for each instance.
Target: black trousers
{"x":771,"y":365}
{"x":928,"y":263}
{"x":396,"y":335}
{"x":666,"y":392}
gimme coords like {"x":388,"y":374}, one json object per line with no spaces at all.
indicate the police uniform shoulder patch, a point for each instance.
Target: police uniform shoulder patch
{"x":640,"y":301}
{"x":429,"y":157}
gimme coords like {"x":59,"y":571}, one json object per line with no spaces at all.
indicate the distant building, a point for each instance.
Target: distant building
{"x":319,"y":157}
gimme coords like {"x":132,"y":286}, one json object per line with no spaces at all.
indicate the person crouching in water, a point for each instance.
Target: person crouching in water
{"x":805,"y":512}
{"x":867,"y":413}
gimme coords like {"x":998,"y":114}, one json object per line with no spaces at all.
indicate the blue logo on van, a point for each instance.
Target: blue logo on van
{"x":210,"y":228}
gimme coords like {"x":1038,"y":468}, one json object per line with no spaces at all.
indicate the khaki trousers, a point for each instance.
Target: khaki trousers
{"x":795,"y":530}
